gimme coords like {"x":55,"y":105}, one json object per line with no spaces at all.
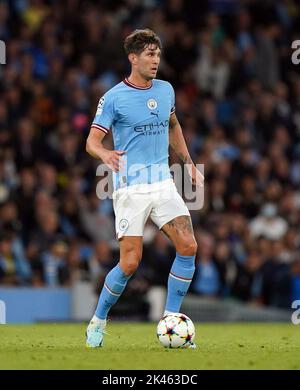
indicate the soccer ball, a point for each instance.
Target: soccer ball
{"x":176,"y":330}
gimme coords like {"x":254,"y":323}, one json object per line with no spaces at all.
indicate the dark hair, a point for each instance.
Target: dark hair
{"x":138,"y":40}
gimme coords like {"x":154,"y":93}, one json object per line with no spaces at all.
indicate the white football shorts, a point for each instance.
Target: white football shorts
{"x":134,"y":204}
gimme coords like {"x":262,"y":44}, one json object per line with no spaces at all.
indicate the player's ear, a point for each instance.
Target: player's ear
{"x":132,"y":58}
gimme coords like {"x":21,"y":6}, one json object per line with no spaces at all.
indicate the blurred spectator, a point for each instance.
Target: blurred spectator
{"x":26,"y":148}
{"x":247,"y":283}
{"x":97,"y":226}
{"x":100,"y":263}
{"x":69,"y":217}
{"x":206,"y":280}
{"x":226,"y":267}
{"x":55,"y":270}
{"x":24,"y":195}
{"x":14,"y":268}
{"x":276,"y":280}
{"x":268,"y":224}
{"x":267,"y":57}
{"x":47,"y":229}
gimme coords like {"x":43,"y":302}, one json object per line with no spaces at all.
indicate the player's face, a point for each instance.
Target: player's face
{"x":148,"y":62}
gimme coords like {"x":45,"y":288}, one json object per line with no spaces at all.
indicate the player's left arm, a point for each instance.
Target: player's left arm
{"x":178,"y":143}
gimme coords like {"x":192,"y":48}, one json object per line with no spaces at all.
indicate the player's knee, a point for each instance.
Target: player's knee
{"x":188,"y":247}
{"x":130,"y":266}
{"x":130,"y":261}
{"x":130,"y":258}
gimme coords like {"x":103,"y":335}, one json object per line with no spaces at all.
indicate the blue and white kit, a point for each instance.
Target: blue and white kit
{"x":139,"y":120}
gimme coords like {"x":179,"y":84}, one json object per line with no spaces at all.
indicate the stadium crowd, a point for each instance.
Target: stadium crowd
{"x":237,"y":99}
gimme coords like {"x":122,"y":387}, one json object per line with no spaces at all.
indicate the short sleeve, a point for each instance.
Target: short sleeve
{"x":105,"y":114}
{"x":172,"y":100}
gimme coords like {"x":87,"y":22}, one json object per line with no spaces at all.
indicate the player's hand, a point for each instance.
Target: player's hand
{"x":113,"y":159}
{"x":196,"y":176}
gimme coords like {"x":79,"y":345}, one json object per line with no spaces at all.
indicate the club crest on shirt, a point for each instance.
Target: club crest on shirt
{"x":123,"y":225}
{"x":152,"y":104}
{"x":100,"y":106}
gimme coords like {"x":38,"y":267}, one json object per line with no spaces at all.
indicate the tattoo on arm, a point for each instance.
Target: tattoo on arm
{"x":177,"y":140}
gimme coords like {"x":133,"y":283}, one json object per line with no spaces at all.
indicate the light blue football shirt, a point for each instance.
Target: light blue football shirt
{"x":139,"y":121}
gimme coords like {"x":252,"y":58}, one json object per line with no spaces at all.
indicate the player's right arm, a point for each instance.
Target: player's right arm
{"x":102,"y":123}
{"x":96,"y":149}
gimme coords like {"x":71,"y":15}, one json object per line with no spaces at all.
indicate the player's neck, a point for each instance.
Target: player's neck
{"x":139,"y":81}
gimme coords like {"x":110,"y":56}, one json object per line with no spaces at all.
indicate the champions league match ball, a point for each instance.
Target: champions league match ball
{"x":176,"y":330}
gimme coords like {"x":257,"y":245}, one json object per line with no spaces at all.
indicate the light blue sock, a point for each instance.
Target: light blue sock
{"x":179,"y":281}
{"x":114,"y":284}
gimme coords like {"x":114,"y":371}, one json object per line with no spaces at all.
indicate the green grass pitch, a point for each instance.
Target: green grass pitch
{"x":134,"y":346}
